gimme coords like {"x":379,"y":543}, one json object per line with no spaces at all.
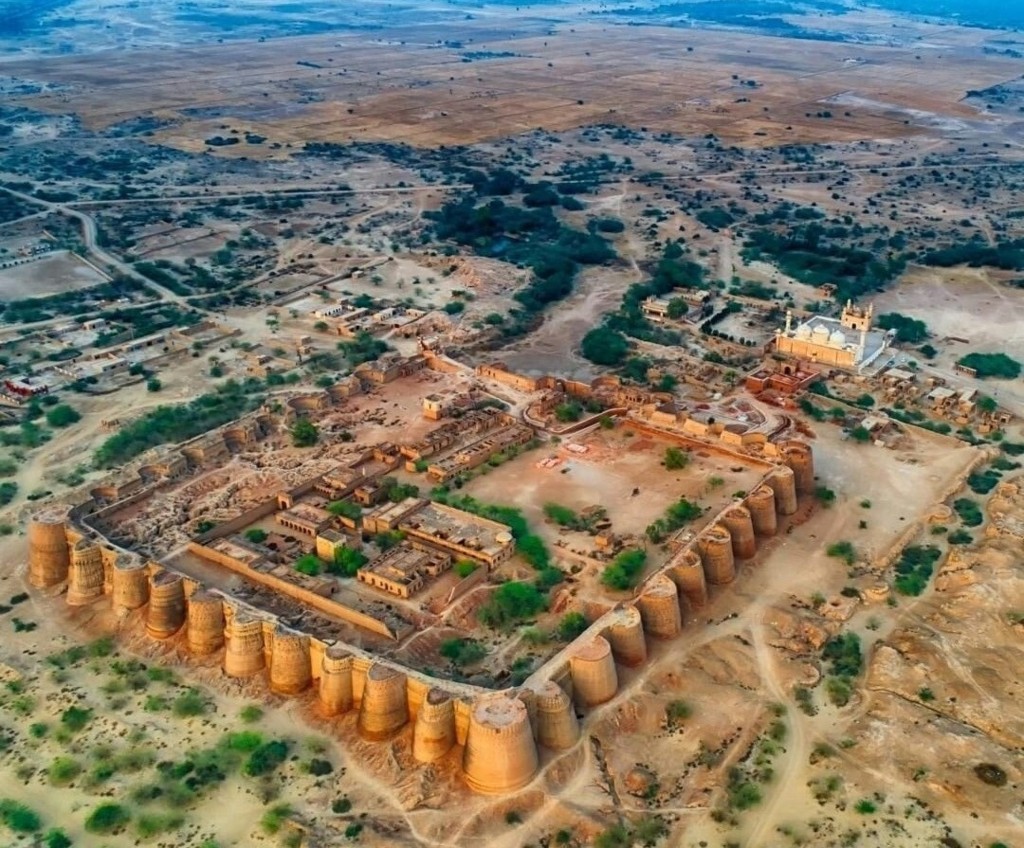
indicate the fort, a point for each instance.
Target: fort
{"x":499,"y":735}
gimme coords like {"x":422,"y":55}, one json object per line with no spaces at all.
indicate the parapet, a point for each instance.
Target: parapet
{"x":500,"y":754}
{"x":433,"y":734}
{"x":384,"y":709}
{"x":594,"y":679}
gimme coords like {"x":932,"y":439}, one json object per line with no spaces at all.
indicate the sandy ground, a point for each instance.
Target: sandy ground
{"x":52,"y":274}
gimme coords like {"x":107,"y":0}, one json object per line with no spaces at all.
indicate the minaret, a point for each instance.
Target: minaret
{"x":789,"y":321}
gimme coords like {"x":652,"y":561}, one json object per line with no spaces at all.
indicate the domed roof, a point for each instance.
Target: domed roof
{"x":803,"y":332}
{"x":820,"y":332}
{"x":837,"y":338}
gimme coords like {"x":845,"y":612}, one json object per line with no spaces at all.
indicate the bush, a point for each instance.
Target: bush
{"x":465,"y":567}
{"x":107,"y":818}
{"x":153,"y":385}
{"x":149,"y":825}
{"x":274,"y":818}
{"x":266,"y":758}
{"x":18,"y":817}
{"x":340,"y":806}
{"x":675,"y":458}
{"x":304,"y":433}
{"x":960,"y":537}
{"x":844,"y":655}
{"x":256,"y":535}
{"x":462,"y":652}
{"x":56,"y":838}
{"x":75,"y":718}
{"x":842,"y":550}
{"x":604,"y":346}
{"x":62,"y":415}
{"x":624,"y":571}
{"x":318,"y":768}
{"x":512,"y":602}
{"x":309,"y":564}
{"x":969,"y":512}
{"x":63,"y":770}
{"x":251,"y":713}
{"x":914,"y":568}
{"x":825,"y":496}
{"x":676,"y":712}
{"x":188,"y":704}
{"x":571,"y":626}
{"x":347,"y":561}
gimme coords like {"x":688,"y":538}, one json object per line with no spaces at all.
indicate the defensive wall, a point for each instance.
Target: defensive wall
{"x":497,"y":736}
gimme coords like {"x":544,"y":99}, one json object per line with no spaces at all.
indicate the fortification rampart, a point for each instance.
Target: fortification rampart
{"x":500,"y":732}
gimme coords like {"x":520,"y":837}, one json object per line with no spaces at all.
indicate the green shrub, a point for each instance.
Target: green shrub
{"x":512,"y":602}
{"x":624,"y":571}
{"x":462,"y":652}
{"x":571,"y":626}
{"x":189,"y":704}
{"x":274,"y":818}
{"x":107,"y":818}
{"x":63,"y":770}
{"x":19,"y":817}
{"x":75,"y":718}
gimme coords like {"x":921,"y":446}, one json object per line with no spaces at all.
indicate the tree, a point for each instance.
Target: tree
{"x":153,"y":385}
{"x":624,"y":571}
{"x":512,"y":602}
{"x":986,"y":404}
{"x":865,"y":401}
{"x":56,"y":838}
{"x":676,"y":458}
{"x":908,"y":330}
{"x":604,"y":346}
{"x":860,"y":434}
{"x":256,"y":535}
{"x":62,"y":415}
{"x":571,"y":626}
{"x":347,"y":561}
{"x":309,"y":564}
{"x":677,"y":308}
{"x":992,"y":365}
{"x":346,"y":509}
{"x":462,"y":652}
{"x":304,"y":433}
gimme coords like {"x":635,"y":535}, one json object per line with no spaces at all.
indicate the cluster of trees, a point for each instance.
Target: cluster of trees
{"x":1007,"y":255}
{"x":843,"y":654}
{"x":914,"y":568}
{"x":512,"y":603}
{"x":816,"y":254}
{"x":166,"y":424}
{"x":530,"y":236}
{"x":908,"y":330}
{"x":992,"y":365}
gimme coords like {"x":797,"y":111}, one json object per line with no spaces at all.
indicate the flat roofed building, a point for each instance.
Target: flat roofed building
{"x":404,"y":570}
{"x":460,"y":533}
{"x":305,"y":518}
{"x":387,"y":516}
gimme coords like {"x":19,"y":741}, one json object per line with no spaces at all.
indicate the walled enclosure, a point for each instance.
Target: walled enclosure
{"x":499,"y":732}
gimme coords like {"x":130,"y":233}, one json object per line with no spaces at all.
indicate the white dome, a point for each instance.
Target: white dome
{"x":821,"y":332}
{"x":803,"y":332}
{"x":837,"y":338}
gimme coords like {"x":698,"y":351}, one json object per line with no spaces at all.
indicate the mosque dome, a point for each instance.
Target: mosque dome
{"x":838,"y":338}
